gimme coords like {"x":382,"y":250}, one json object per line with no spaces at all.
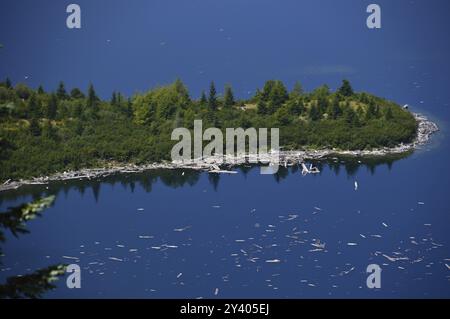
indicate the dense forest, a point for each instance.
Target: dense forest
{"x":43,"y":132}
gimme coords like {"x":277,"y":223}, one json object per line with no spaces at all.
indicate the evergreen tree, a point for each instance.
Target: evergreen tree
{"x":334,"y":109}
{"x":40,"y":90}
{"x":79,"y":128}
{"x":203,"y":99}
{"x":297,"y":91}
{"x":34,"y":108}
{"x":114,"y":99}
{"x":261,"y":107}
{"x":61,"y":91}
{"x":295,"y":106}
{"x":181,"y":89}
{"x":267,"y":90}
{"x":78,"y":110}
{"x":363,"y":98}
{"x":283,"y":117}
{"x":279,"y":94}
{"x":322,"y":91}
{"x":52,"y":107}
{"x":371,"y":111}
{"x":322,"y":104}
{"x":350,"y":116}
{"x":8,"y":83}
{"x":76,"y":94}
{"x":129,"y":109}
{"x":49,"y":131}
{"x":34,"y":128}
{"x":212,"y":99}
{"x":228,"y":96}
{"x":92,"y":99}
{"x":274,"y":94}
{"x":346,"y":89}
{"x":359,"y":116}
{"x":314,"y":113}
{"x":258,"y":95}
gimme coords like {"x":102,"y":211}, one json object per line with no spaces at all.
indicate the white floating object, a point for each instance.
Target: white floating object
{"x":170,"y":246}
{"x":352,"y":244}
{"x":115,"y":259}
{"x":318,"y":244}
{"x":385,"y":225}
{"x":216,"y":291}
{"x":179,"y":275}
{"x":181,"y":229}
{"x":69,"y":257}
{"x":140,"y":209}
{"x":273,"y":261}
{"x":393,"y":259}
{"x":356,"y":185}
{"x":421,"y":203}
{"x":346,"y":272}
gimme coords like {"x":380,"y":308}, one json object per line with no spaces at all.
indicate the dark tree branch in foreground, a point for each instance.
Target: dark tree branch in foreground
{"x":32,"y":285}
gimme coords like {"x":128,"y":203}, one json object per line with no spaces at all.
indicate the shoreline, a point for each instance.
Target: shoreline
{"x":424,"y":131}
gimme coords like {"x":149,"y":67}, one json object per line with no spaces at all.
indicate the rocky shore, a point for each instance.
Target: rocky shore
{"x":425,"y":129}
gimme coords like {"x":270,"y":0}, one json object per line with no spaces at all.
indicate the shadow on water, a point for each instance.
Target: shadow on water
{"x":184,"y":177}
{"x":36,"y":284}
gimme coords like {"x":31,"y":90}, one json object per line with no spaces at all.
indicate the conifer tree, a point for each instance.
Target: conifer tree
{"x":228,"y":96}
{"x":212,"y":99}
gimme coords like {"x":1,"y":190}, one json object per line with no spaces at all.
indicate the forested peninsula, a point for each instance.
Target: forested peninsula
{"x":45,"y":132}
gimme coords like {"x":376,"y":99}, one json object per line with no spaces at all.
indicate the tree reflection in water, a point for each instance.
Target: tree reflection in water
{"x":184,"y":177}
{"x":32,"y":285}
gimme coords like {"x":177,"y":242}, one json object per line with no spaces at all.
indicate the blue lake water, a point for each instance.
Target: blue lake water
{"x":165,"y":234}
{"x":199,"y":236}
